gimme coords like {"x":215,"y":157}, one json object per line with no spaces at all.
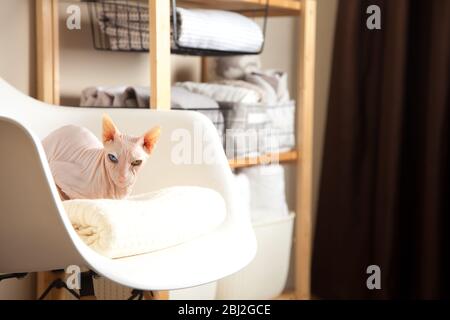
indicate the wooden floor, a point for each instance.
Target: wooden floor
{"x":288,"y":295}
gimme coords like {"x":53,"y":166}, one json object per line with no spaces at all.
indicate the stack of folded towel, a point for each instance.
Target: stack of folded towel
{"x":224,"y":92}
{"x":139,"y":97}
{"x":258,"y":112}
{"x":251,"y":108}
{"x":196,"y":28}
{"x":263,"y":87}
{"x":240,"y":79}
{"x":242,"y":188}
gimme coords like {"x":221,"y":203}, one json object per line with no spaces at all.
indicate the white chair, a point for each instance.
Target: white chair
{"x":36,"y":235}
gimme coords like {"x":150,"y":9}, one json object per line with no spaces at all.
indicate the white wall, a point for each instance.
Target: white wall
{"x":17,"y":44}
{"x":326,"y":21}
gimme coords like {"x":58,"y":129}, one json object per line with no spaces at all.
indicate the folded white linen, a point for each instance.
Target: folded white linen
{"x":261,"y":93}
{"x":148,"y":222}
{"x":273,"y":82}
{"x":242,"y":189}
{"x":138,"y":96}
{"x":218,"y":30}
{"x":223,"y":92}
{"x":182,"y":98}
{"x":267,"y":192}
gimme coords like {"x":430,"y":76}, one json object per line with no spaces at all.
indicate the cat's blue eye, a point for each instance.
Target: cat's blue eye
{"x":113,"y":158}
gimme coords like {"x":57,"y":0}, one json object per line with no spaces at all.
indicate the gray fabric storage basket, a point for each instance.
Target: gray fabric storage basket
{"x":257,"y":129}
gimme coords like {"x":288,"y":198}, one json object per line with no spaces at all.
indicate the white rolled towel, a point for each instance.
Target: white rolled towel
{"x":148,"y":222}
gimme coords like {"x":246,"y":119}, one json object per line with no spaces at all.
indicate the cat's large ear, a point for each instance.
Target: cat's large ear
{"x":109,"y":129}
{"x":150,"y":138}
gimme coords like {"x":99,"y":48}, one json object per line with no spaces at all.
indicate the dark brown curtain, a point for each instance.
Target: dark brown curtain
{"x":385,"y":186}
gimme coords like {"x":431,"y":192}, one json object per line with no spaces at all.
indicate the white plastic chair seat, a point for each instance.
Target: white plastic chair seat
{"x":195,"y":262}
{"x":36,"y":235}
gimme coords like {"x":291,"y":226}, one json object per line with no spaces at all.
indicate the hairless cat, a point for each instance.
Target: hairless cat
{"x":85,"y":168}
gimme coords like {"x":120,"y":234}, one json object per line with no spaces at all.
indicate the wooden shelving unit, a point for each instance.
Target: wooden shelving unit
{"x":159,"y":56}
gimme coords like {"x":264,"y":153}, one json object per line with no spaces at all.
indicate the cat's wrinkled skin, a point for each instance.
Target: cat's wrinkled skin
{"x":84,"y":168}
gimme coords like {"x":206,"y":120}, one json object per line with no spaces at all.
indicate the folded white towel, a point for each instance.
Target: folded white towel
{"x":148,"y":222}
{"x":267,"y":192}
{"x":218,"y":30}
{"x":139,"y":96}
{"x":273,"y":82}
{"x":182,"y":98}
{"x":242,"y":189}
{"x":223,"y":92}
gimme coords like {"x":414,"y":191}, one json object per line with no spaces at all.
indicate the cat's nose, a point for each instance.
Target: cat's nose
{"x":122,"y":179}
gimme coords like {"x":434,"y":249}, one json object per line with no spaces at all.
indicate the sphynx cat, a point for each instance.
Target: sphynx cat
{"x":85,"y":168}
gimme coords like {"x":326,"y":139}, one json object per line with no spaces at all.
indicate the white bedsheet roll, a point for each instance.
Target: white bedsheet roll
{"x":148,"y":222}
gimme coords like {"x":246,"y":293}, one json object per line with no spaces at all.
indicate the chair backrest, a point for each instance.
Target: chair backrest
{"x":32,"y":232}
{"x":179,"y":129}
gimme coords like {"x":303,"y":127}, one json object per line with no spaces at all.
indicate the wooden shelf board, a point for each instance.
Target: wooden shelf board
{"x":277,"y":7}
{"x":288,"y":156}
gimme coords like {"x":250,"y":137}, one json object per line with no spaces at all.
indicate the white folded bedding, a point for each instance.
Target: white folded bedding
{"x":218,"y":30}
{"x":148,"y":222}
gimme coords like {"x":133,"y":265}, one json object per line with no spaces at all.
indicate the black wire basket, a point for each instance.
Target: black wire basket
{"x":123,"y":25}
{"x":129,"y":32}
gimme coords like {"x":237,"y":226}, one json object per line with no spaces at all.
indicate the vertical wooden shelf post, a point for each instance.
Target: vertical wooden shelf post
{"x":159,"y":16}
{"x":47,"y":73}
{"x":305,"y":142}
{"x":47,"y":51}
{"x":159,"y":26}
